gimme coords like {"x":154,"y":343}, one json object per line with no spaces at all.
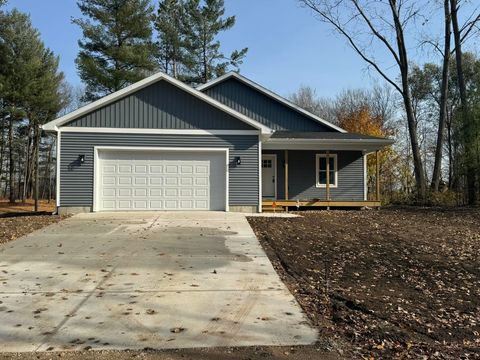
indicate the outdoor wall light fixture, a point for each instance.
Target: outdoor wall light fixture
{"x":81,"y":159}
{"x":237,"y":160}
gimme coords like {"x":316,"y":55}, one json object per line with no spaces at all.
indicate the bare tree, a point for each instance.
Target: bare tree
{"x":306,"y":98}
{"x":437,"y":167}
{"x":368,"y":25}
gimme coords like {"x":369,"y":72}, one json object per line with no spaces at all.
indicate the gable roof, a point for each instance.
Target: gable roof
{"x":55,"y":124}
{"x":270,"y":94}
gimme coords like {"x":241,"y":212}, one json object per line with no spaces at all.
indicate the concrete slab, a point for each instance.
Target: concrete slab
{"x":144,"y":280}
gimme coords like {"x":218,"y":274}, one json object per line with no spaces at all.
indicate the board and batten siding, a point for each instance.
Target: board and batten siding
{"x":302,"y":175}
{"x":76,"y":180}
{"x":261,"y":107}
{"x":160,"y":106}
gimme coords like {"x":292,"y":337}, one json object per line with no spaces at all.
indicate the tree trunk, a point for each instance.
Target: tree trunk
{"x":466,"y":118}
{"x":11,"y":161}
{"x":407,"y":101}
{"x":437,"y":167}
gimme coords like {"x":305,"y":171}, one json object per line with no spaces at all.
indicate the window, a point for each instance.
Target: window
{"x":321,"y":170}
{"x":266,"y":163}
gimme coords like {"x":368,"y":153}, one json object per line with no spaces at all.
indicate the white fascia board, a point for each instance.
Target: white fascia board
{"x":105,"y":130}
{"x":366,"y":145}
{"x":272,"y":95}
{"x":55,"y":124}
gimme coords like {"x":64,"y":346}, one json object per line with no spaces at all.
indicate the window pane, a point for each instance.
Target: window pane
{"x":332,"y":177}
{"x":322,"y":177}
{"x":322,"y":164}
{"x":332,"y":163}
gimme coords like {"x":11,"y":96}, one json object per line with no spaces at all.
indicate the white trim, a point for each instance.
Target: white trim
{"x":367,"y":145}
{"x":260,"y":202}
{"x":156,"y":131}
{"x":57,"y":200}
{"x":96,"y":162}
{"x":317,"y":170}
{"x":272,"y":95}
{"x":365,"y":177}
{"x":55,"y":124}
{"x":227,"y":177}
{"x":274,"y":157}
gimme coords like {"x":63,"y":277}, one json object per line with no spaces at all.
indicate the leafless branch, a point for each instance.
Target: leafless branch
{"x":311,"y":4}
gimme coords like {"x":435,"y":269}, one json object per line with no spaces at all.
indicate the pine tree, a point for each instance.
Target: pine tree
{"x":206,"y":60}
{"x":170,"y":26}
{"x":116,"y":49}
{"x":30,"y":93}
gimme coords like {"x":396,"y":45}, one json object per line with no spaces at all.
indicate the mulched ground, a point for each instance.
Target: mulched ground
{"x":15,"y":226}
{"x":397,"y":282}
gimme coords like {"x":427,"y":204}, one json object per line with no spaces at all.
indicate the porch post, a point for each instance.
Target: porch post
{"x":377,"y":175}
{"x":286,"y":174}
{"x":328,"y":175}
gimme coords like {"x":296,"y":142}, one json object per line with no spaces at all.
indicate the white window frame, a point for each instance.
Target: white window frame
{"x":317,"y":170}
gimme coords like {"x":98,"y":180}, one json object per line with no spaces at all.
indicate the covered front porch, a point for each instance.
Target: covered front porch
{"x":299,"y":172}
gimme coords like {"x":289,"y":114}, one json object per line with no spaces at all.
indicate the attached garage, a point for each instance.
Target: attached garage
{"x":129,"y":179}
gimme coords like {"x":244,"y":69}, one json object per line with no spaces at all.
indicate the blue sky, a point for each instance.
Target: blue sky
{"x":287,"y":45}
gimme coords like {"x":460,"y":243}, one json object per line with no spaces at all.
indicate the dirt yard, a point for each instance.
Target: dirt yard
{"x":27,"y":206}
{"x":397,"y":282}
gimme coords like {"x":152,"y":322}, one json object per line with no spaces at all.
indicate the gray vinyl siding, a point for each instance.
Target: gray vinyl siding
{"x":160,"y":106}
{"x":261,"y":107}
{"x":302,"y":177}
{"x":76,"y":181}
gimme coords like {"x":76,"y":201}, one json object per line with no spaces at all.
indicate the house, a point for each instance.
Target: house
{"x":229,"y":145}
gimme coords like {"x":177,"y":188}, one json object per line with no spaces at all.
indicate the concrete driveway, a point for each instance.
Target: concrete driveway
{"x":144,"y":280}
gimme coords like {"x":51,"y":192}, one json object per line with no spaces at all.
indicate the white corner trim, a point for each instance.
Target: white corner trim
{"x":227,"y":179}
{"x":260,"y":184}
{"x":270,"y":94}
{"x":96,"y":164}
{"x":106,"y":130}
{"x":317,"y":170}
{"x":55,"y":124}
{"x":365,"y":177}
{"x":57,"y":185}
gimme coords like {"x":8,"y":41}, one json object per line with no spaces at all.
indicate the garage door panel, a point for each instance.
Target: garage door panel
{"x":201,"y":204}
{"x":186,"y":181}
{"x":170,"y":192}
{"x":171,"y":180}
{"x":156,"y":204}
{"x":186,"y":192}
{"x":140,"y":169}
{"x":171,"y":169}
{"x":155,"y":180}
{"x":140,"y":192}
{"x":109,"y":169}
{"x":124,"y":169}
{"x":140,"y":180}
{"x":124,"y":192}
{"x":124,"y":180}
{"x":108,"y":192}
{"x":124,"y":204}
{"x":108,"y":180}
{"x":161,"y":180}
{"x":156,"y":169}
{"x":155,"y":192}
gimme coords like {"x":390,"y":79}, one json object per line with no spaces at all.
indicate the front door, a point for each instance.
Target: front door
{"x":269,"y":176}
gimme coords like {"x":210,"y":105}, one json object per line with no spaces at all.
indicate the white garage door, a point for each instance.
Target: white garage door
{"x":161,"y":180}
